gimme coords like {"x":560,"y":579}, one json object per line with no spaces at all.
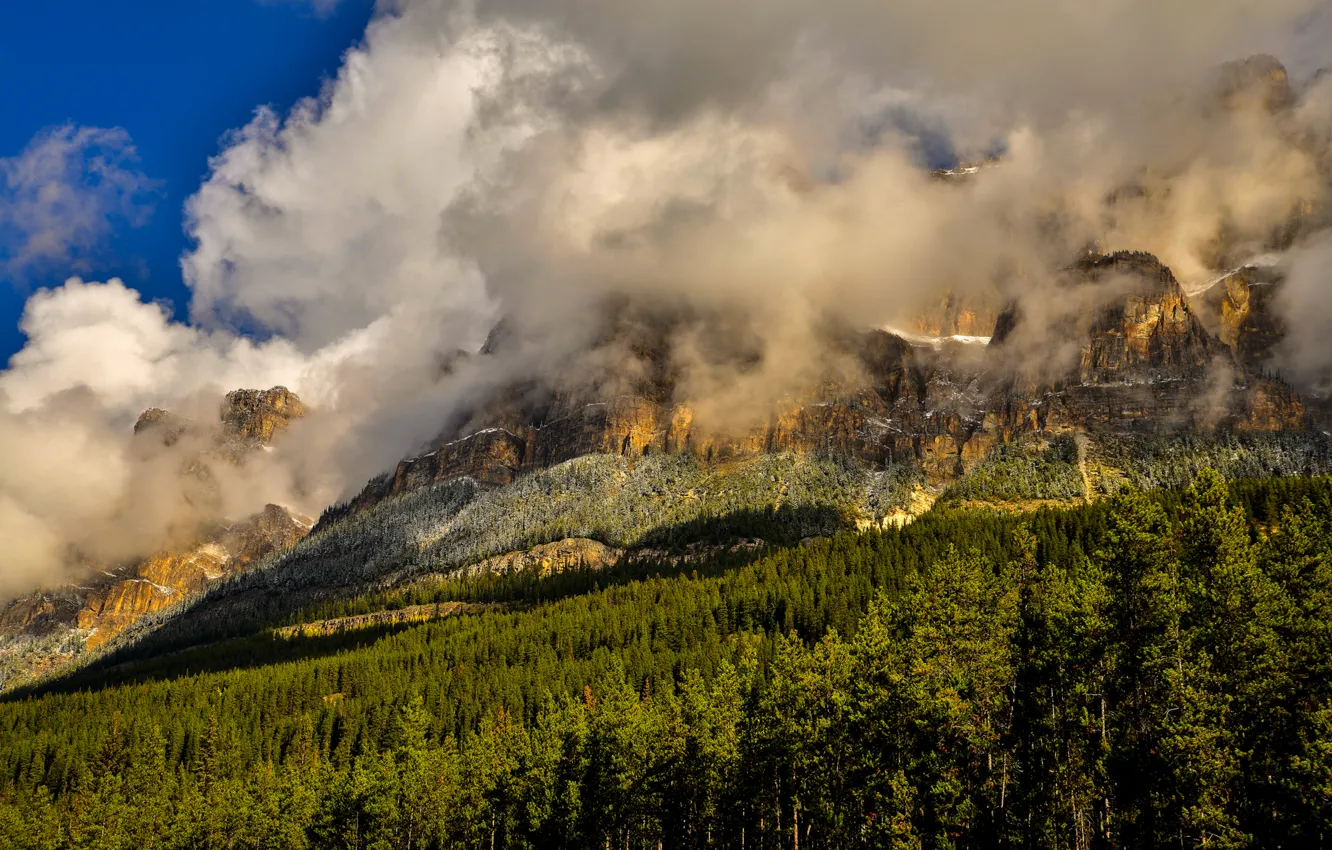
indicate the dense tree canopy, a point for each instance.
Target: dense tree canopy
{"x":1152,"y":670}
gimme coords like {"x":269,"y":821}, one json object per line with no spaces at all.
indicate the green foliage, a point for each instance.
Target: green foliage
{"x":1151,"y":462}
{"x":1145,"y":672}
{"x":1017,"y":471}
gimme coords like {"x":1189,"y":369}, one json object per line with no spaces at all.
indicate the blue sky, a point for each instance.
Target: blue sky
{"x":175,"y":75}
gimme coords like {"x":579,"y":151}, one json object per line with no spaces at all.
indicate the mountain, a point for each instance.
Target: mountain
{"x":1135,"y":389}
{"x":1048,"y":566}
{"x":1136,"y":384}
{"x":43,"y":631}
{"x":1146,"y":363}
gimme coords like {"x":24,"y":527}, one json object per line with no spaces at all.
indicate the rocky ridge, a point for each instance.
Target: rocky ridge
{"x":611,"y":462}
{"x":1240,"y":309}
{"x":1146,"y":362}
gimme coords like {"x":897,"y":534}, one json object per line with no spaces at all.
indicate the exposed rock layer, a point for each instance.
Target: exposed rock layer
{"x":1145,"y":361}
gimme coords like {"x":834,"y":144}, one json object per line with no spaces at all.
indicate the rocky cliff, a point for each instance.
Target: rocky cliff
{"x":47,"y":629}
{"x":1240,"y":309}
{"x":169,"y":577}
{"x":1146,"y":363}
{"x":1259,"y":81}
{"x":919,"y":405}
{"x":256,"y":417}
{"x":955,"y":315}
{"x":1141,"y":360}
{"x":247,"y":419}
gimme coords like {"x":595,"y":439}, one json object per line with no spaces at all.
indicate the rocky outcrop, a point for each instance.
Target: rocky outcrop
{"x":1148,"y":363}
{"x":111,"y":600}
{"x":1240,"y":310}
{"x":257,"y":416}
{"x":1147,"y":334}
{"x":1142,"y":359}
{"x":247,"y":419}
{"x":169,"y":577}
{"x":161,"y":425}
{"x":395,"y":617}
{"x":1259,"y":81}
{"x":42,"y":613}
{"x":955,"y":315}
{"x":575,"y":553}
{"x":920,"y":406}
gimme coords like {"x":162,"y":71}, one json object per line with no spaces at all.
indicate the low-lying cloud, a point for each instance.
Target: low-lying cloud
{"x":764,"y":165}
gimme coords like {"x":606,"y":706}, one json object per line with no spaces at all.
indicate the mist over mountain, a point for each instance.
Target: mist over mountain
{"x":535,"y":163}
{"x":501,"y":217}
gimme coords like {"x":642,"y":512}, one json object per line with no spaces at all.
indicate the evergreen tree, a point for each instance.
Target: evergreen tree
{"x":973,"y":680}
{"x":1144,"y":686}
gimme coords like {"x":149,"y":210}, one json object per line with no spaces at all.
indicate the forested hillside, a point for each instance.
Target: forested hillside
{"x":670,"y":502}
{"x":656,"y":502}
{"x":1145,"y":671}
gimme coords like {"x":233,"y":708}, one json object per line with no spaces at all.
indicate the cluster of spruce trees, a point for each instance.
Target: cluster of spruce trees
{"x":1149,"y":671}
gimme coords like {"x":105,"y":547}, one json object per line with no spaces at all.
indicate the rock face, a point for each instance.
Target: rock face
{"x":257,"y":416}
{"x":162,"y":425}
{"x":399,"y":616}
{"x":1147,"y":363}
{"x":1144,"y":360}
{"x":247,"y":419}
{"x":86,"y":616}
{"x":919,"y":407}
{"x":1149,"y":333}
{"x":168,"y":577}
{"x":563,"y":555}
{"x":113,"y":597}
{"x":1240,"y":310}
{"x":953,"y":315}
{"x":1259,"y":80}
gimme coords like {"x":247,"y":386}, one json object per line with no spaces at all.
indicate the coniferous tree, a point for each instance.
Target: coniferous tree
{"x":1144,"y":664}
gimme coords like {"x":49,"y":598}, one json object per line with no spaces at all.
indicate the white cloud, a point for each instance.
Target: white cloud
{"x":535,"y":155}
{"x":103,"y":339}
{"x":316,"y":226}
{"x":61,"y":195}
{"x":75,"y":484}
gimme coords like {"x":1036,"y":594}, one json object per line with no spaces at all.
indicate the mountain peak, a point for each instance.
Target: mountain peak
{"x":1260,"y":80}
{"x":257,"y":415}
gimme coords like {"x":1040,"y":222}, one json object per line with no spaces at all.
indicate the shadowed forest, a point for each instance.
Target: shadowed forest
{"x":1150,"y":670}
